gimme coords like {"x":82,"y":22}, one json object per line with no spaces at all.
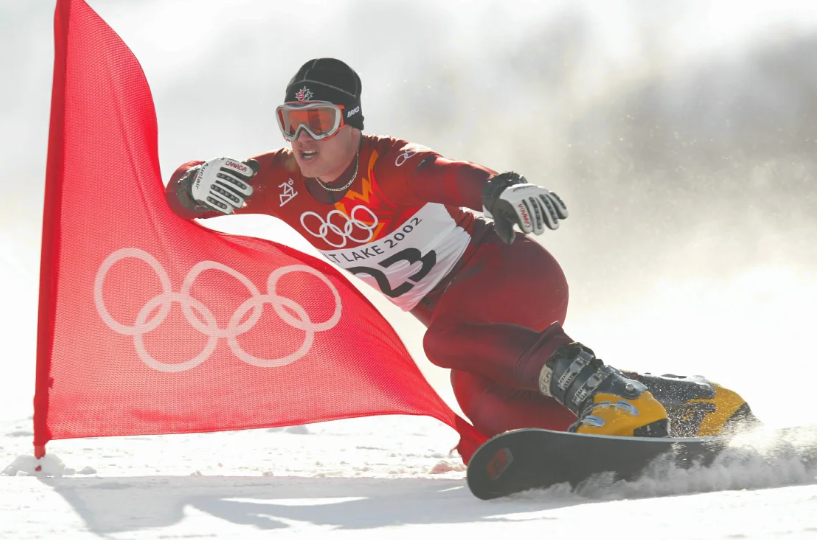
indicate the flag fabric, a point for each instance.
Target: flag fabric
{"x":150,"y":324}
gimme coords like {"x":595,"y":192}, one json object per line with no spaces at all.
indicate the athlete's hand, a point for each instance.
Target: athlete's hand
{"x":510,"y":200}
{"x":222,"y":184}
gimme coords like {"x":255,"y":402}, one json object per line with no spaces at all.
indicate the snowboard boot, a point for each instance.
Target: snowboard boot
{"x":603,"y":399}
{"x":697,"y":407}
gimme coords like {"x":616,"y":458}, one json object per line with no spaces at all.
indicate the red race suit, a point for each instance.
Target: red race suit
{"x":405,"y":226}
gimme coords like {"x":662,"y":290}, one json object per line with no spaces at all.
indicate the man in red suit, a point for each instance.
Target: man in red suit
{"x":437,"y":237}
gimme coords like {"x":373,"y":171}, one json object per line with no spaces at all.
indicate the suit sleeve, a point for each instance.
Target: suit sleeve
{"x":415,"y":175}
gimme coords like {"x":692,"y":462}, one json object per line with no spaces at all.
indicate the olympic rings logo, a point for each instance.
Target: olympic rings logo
{"x":348,"y":227}
{"x":287,"y":309}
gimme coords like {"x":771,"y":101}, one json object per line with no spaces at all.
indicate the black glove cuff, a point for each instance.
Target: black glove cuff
{"x":185,"y":194}
{"x":497,"y":184}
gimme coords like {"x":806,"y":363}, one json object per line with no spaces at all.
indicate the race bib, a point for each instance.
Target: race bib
{"x":407,"y":263}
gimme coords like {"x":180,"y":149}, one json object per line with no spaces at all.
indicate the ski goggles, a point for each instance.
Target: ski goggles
{"x":320,"y":119}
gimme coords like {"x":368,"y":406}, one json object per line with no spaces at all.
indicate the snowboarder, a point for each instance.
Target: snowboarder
{"x":406,"y":220}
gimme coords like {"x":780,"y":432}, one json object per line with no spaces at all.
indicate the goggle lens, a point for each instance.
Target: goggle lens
{"x":320,"y":120}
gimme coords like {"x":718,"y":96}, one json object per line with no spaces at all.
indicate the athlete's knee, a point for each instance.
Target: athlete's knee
{"x":437,"y":343}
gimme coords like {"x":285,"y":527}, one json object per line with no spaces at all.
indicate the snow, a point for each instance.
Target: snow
{"x":365,"y":478}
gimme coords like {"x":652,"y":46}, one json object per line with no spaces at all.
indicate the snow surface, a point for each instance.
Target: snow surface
{"x":371,"y":478}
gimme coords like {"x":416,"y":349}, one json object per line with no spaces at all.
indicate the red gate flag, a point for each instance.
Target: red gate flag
{"x":150,"y":324}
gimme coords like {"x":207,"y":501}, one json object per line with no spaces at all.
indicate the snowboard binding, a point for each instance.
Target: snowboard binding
{"x":603,"y":399}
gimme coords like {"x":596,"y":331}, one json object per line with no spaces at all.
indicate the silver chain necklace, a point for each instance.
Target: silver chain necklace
{"x":349,"y":183}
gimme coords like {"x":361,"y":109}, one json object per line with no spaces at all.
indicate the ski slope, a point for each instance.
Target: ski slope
{"x":372,"y":478}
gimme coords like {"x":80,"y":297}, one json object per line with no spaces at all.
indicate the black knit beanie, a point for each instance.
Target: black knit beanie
{"x":328,"y":79}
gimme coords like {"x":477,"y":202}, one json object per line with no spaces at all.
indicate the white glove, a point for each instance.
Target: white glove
{"x":222,"y":184}
{"x":510,"y":200}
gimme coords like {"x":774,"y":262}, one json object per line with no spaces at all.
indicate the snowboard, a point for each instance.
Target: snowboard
{"x":525,"y":459}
